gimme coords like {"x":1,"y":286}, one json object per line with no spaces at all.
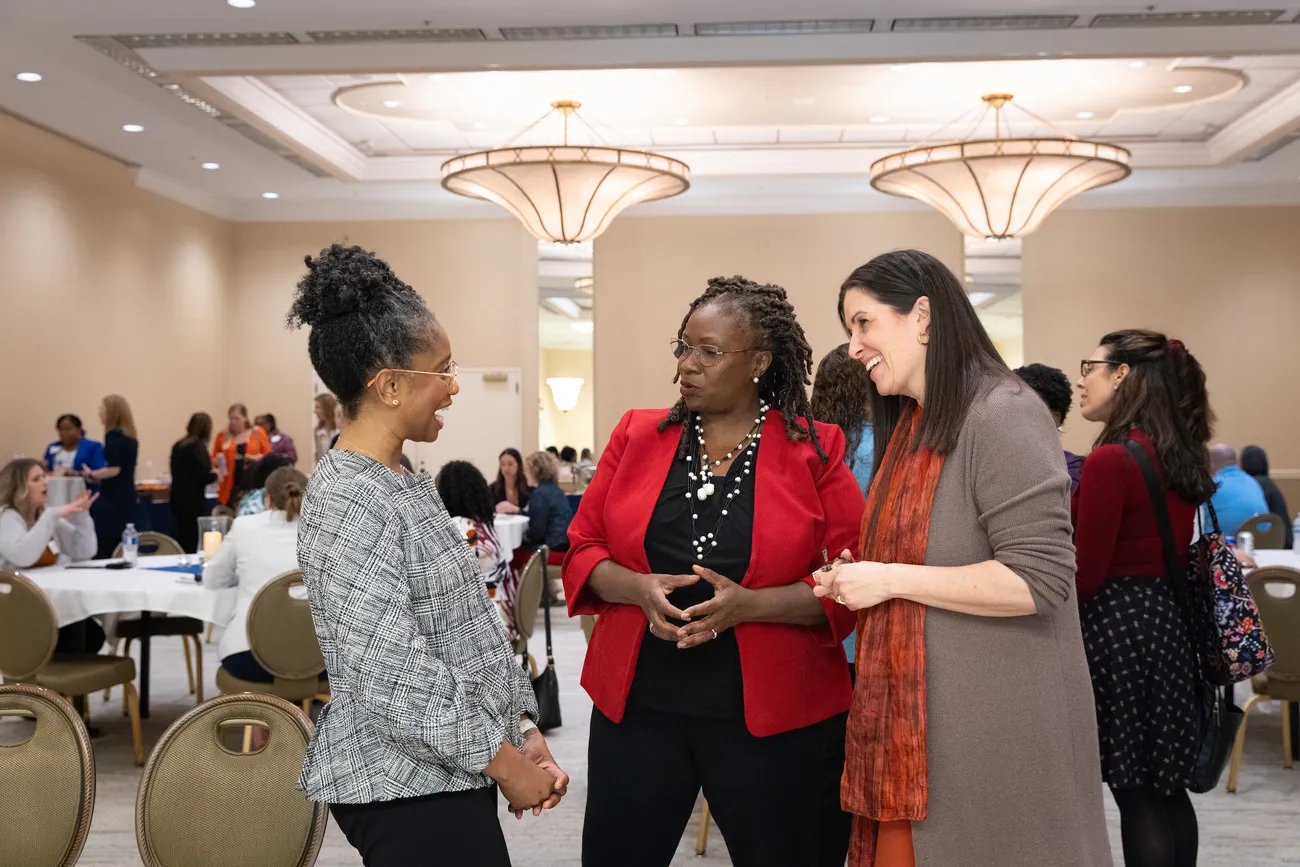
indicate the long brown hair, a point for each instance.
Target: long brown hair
{"x":284,"y":489}
{"x":961,"y":357}
{"x":13,"y":486}
{"x":330,"y":403}
{"x":1163,"y":396}
{"x":117,"y":414}
{"x":842,"y":396}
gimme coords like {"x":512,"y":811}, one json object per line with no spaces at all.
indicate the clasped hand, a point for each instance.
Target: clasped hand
{"x":703,"y":622}
{"x":855,"y":585}
{"x":541,"y":786}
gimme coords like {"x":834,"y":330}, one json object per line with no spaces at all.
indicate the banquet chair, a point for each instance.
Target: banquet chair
{"x":1280,"y":682}
{"x":1269,"y":530}
{"x":283,"y":641}
{"x":48,"y":794}
{"x":187,"y":812}
{"x":528,"y":597}
{"x":29,"y":632}
{"x":188,"y":628}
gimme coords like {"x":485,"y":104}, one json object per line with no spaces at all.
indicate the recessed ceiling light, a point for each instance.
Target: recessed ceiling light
{"x":679,"y":121}
{"x":1137,"y":64}
{"x":804,"y":100}
{"x":880,"y":118}
{"x":211,"y":166}
{"x":28,"y":76}
{"x":132,"y":127}
{"x":270,"y":195}
{"x":392,"y":103}
{"x":1183,"y":88}
{"x":242,"y":4}
{"x":1084,"y":115}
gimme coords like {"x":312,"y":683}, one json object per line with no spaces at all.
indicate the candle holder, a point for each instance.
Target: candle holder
{"x":212,"y":530}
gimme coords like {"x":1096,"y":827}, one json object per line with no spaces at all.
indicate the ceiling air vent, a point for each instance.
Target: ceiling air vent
{"x":1188,"y":19}
{"x":426,"y":34}
{"x":622,"y":31}
{"x":785,"y":28}
{"x":1006,"y":22}
{"x":1268,"y":150}
{"x":137,"y":41}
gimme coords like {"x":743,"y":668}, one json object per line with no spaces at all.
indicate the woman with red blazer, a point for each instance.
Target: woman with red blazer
{"x":712,"y":664}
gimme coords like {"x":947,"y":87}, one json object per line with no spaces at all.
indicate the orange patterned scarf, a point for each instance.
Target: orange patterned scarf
{"x":885,"y":766}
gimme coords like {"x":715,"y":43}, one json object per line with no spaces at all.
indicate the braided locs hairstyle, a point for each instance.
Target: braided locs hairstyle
{"x":772,"y":323}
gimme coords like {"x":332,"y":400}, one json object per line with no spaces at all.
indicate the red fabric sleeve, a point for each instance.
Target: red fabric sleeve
{"x":1099,"y":509}
{"x":842,"y":504}
{"x":588,"y":539}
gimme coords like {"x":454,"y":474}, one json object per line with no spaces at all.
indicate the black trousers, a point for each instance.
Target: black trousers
{"x":776,"y":800}
{"x":455,"y":829}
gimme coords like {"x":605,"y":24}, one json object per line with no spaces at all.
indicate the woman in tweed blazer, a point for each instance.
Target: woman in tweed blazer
{"x":430,"y":711}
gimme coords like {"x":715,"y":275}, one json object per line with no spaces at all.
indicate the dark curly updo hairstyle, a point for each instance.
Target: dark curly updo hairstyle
{"x":1164,"y":396}
{"x":772,"y":325}
{"x":1052,"y":386}
{"x":464,"y":492}
{"x":842,"y":396}
{"x":362,"y":319}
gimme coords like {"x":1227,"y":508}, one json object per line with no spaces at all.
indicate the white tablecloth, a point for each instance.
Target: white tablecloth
{"x":79,"y":593}
{"x":1278,"y":558}
{"x":510,"y":530}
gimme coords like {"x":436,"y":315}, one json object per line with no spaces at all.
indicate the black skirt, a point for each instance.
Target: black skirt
{"x":1143,"y":683}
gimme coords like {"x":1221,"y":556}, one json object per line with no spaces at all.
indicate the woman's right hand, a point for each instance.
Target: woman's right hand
{"x":82,"y":503}
{"x":505,"y":507}
{"x":653,"y":599}
{"x":526,"y":785}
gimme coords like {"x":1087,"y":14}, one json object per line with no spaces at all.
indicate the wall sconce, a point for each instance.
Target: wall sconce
{"x":565,"y":390}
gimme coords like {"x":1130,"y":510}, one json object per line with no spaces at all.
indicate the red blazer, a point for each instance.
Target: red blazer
{"x":793,"y":676}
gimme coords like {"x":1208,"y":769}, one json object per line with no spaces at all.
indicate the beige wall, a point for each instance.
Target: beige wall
{"x":649,"y":269}
{"x":105,"y":288}
{"x":478,"y":276}
{"x":576,"y":427}
{"x":1224,"y":280}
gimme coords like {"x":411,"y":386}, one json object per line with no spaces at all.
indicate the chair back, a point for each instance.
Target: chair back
{"x":154,"y":544}
{"x":1281,"y":618}
{"x":203,"y":804}
{"x":223,"y":511}
{"x":48,"y":794}
{"x":1269,"y":530}
{"x":28,"y":628}
{"x":528,"y":596}
{"x":280,"y":630}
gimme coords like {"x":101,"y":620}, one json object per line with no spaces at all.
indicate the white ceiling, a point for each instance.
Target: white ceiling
{"x":753,"y":140}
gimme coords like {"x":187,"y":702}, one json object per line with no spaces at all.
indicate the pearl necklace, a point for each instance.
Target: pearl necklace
{"x":744,"y":452}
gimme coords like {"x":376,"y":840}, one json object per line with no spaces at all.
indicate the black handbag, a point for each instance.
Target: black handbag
{"x":1217,"y":720}
{"x":546,"y":686}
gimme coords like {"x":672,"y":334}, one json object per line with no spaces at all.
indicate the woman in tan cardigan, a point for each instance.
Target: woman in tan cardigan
{"x":970,"y":737}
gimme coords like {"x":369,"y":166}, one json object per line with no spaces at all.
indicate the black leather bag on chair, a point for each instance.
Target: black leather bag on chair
{"x":546,"y":686}
{"x":1217,"y":720}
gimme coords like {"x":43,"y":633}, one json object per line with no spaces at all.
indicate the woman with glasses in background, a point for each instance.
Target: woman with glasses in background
{"x":712,"y":664}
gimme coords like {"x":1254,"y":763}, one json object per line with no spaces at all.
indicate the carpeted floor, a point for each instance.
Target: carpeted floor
{"x":1258,"y":826}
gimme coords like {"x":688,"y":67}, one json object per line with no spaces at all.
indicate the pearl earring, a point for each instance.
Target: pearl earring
{"x":756,"y":380}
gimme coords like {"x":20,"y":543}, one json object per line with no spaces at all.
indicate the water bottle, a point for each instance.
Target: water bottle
{"x":1295,"y":533}
{"x":130,"y":544}
{"x":1246,"y":543}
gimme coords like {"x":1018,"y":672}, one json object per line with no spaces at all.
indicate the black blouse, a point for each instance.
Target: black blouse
{"x":191,"y":472}
{"x":704,"y":680}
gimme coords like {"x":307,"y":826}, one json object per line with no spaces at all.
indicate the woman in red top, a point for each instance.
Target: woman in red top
{"x":1144,"y":387}
{"x":712,"y":664}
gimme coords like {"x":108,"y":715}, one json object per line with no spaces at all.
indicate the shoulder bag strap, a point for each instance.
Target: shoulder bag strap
{"x":1173,"y":567}
{"x":546,"y":602}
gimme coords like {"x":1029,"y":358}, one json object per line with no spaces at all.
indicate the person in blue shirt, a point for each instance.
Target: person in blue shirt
{"x":1239,"y":497}
{"x":72,"y":452}
{"x":842,"y":396}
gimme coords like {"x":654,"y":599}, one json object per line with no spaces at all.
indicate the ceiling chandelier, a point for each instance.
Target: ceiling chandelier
{"x":1000,"y":187}
{"x":565,"y":193}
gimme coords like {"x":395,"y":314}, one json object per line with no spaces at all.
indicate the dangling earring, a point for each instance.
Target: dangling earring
{"x":923,"y":338}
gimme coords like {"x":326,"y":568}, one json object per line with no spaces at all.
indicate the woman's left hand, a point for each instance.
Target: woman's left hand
{"x":856,"y":585}
{"x":536,"y":749}
{"x":709,"y":619}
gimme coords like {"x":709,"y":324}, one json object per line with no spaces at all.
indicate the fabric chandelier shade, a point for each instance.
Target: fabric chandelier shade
{"x":1000,"y":187}
{"x":565,"y":193}
{"x":565,"y":390}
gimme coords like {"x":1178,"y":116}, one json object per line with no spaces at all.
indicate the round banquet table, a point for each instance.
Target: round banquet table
{"x":77,"y":592}
{"x":510,"y":530}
